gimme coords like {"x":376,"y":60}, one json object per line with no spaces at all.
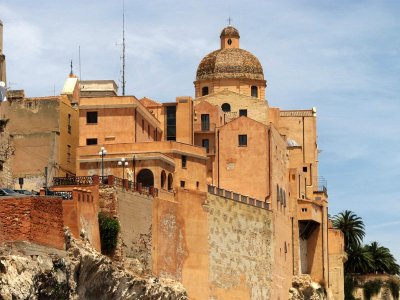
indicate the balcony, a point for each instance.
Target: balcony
{"x":204,"y":127}
{"x":320,"y":185}
{"x":210,"y":150}
{"x":309,"y":211}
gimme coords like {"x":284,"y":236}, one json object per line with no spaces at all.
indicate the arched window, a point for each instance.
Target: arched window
{"x":170,"y":181}
{"x":226,"y":107}
{"x":163,"y":179}
{"x":254,"y":91}
{"x":204,"y":91}
{"x":145,"y":177}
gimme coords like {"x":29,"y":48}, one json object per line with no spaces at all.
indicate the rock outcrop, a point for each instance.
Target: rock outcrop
{"x":303,"y":288}
{"x":79,"y":273}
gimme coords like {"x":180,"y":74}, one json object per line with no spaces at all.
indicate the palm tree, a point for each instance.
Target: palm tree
{"x":352,"y":227}
{"x":359,"y":260}
{"x":384,"y":261}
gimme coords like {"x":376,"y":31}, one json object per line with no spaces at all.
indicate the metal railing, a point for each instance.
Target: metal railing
{"x":65,"y":195}
{"x":105,"y":180}
{"x":204,"y":127}
{"x":238,"y":197}
{"x":320,"y":184}
{"x":73,"y":180}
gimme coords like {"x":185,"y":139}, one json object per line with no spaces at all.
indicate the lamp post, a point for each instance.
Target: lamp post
{"x":102,"y":153}
{"x":124,"y":164}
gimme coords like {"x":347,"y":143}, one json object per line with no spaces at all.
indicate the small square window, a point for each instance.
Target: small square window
{"x":91,"y":117}
{"x":304,"y":169}
{"x":243,"y":140}
{"x":91,"y":142}
{"x":184,"y":159}
{"x":242,"y":112}
{"x":182,"y":184}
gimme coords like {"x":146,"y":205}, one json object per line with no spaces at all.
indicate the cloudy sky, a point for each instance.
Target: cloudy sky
{"x":342,"y":57}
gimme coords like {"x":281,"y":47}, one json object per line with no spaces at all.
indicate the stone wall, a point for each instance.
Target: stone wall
{"x":6,"y":152}
{"x":35,"y":219}
{"x":135,"y":216}
{"x":240,"y":238}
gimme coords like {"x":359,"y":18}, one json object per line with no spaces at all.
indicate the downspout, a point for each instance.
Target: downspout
{"x":292,"y":245}
{"x":218,"y":154}
{"x":135,"y":125}
{"x":327,"y":242}
{"x":304,"y":146}
{"x":323,"y":252}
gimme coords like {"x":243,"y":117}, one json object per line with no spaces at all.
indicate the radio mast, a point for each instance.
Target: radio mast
{"x":123,"y":49}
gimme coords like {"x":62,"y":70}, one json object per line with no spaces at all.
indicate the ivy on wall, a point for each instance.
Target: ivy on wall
{"x":109,"y":229}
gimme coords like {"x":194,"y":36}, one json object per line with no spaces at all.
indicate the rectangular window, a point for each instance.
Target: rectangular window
{"x":242,"y":112}
{"x":184,"y":158}
{"x":148,"y":131}
{"x":242,"y":140}
{"x":206,"y":144}
{"x":142,"y":126}
{"x":91,"y":117}
{"x":171,"y":123}
{"x":68,"y":153}
{"x":69,"y":123}
{"x":182,"y":184}
{"x":91,"y":142}
{"x":205,"y":122}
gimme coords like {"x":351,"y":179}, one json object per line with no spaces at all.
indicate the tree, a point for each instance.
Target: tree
{"x":352,"y":227}
{"x":359,"y":260}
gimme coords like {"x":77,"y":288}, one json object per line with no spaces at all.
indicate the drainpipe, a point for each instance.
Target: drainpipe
{"x":218,"y":155}
{"x":135,"y":124}
{"x":292,"y":245}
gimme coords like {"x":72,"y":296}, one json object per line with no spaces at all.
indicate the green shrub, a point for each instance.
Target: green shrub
{"x":109,"y":229}
{"x":349,"y":285}
{"x":372,"y":288}
{"x":394,"y":288}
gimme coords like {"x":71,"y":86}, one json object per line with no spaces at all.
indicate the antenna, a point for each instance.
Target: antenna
{"x":71,"y":73}
{"x":229,"y":20}
{"x":123,"y":48}
{"x":79,"y":55}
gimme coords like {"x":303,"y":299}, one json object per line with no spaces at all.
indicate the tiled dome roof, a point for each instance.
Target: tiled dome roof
{"x":230,"y":31}
{"x":230,"y":63}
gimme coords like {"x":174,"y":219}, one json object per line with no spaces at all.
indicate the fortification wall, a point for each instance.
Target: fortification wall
{"x":240,"y":238}
{"x":135,"y":216}
{"x":35,"y":219}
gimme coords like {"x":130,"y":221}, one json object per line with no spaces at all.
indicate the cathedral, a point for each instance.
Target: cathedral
{"x":237,"y":206}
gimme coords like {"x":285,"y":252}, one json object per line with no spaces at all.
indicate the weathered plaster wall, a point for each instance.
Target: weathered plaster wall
{"x":240,"y":238}
{"x":6,"y":154}
{"x":135,"y":217}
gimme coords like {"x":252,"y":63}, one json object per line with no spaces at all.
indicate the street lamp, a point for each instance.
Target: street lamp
{"x":124,"y":164}
{"x":102,"y":153}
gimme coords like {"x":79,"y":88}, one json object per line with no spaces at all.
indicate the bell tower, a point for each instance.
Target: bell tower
{"x":2,"y":57}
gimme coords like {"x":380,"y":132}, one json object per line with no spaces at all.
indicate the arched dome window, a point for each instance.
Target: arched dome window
{"x":145,"y":177}
{"x":204,"y":91}
{"x":163,"y":179}
{"x":226,"y":107}
{"x":254,"y":91}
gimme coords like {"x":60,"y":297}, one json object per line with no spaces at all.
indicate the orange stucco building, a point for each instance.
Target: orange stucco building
{"x":221,"y":162}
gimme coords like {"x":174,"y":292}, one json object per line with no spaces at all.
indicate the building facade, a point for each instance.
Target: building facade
{"x":211,"y":158}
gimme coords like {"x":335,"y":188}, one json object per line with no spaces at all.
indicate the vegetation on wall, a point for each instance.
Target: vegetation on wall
{"x":394,"y":288}
{"x":371,"y":288}
{"x":363,"y":259}
{"x":109,"y":229}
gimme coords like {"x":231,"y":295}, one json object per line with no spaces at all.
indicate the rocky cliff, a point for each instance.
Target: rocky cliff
{"x":78,"y":273}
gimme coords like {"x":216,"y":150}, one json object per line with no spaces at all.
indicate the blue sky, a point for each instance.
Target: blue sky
{"x":342,"y":57}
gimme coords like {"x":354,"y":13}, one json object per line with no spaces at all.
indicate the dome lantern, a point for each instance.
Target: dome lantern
{"x":229,"y":37}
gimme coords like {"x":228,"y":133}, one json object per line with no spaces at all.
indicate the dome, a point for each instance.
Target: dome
{"x":230,"y":31}
{"x":230,"y":63}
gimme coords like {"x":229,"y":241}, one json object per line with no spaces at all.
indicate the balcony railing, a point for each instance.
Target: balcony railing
{"x":73,"y":180}
{"x":204,"y":127}
{"x":320,"y":185}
